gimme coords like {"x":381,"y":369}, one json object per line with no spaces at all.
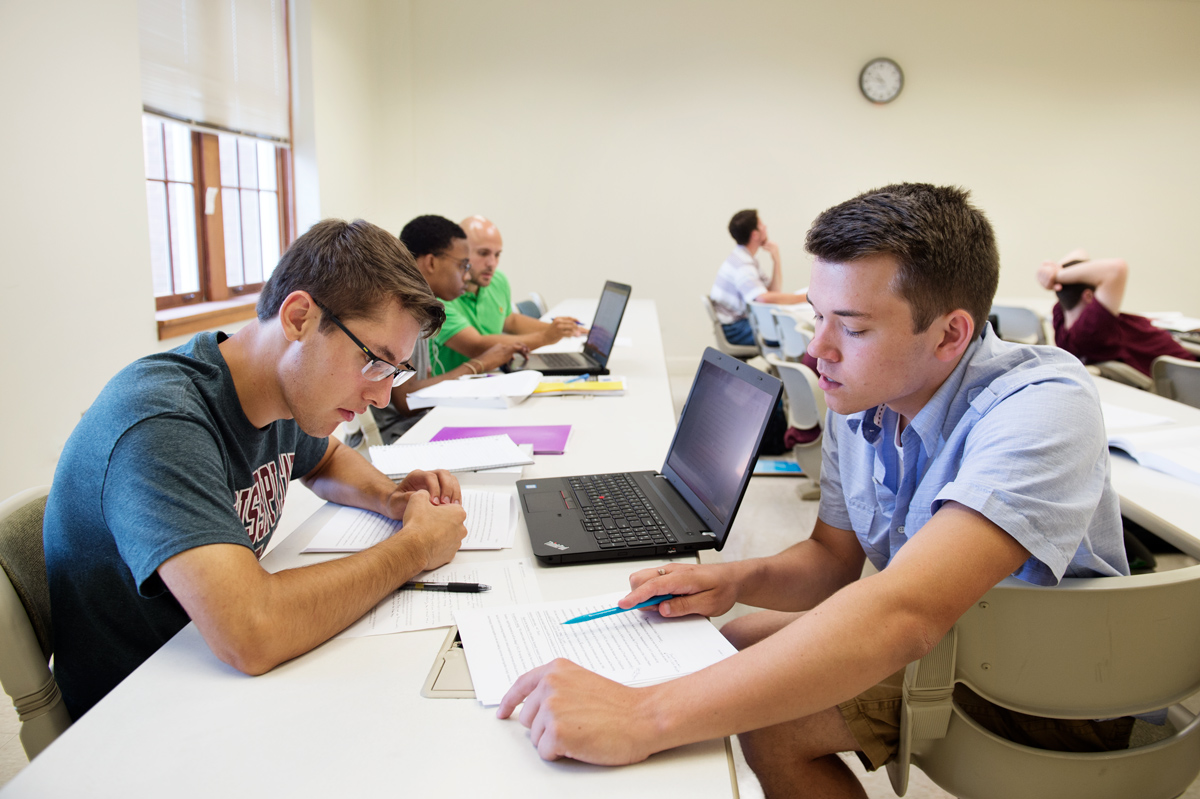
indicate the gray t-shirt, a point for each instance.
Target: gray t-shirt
{"x":164,"y":461}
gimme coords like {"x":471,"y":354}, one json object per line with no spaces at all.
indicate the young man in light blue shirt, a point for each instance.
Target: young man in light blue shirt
{"x":951,"y":460}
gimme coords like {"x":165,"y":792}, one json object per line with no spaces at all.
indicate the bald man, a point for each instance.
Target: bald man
{"x":483,"y":316}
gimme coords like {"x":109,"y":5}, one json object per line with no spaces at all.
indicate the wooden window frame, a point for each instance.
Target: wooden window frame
{"x":217,"y":303}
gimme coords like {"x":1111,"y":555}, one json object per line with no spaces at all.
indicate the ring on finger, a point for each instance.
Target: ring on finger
{"x":662,"y":570}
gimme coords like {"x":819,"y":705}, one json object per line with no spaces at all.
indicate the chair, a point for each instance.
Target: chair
{"x":1089,"y":648}
{"x":1176,"y":379}
{"x":1122,"y":373}
{"x":805,"y":406}
{"x":762,"y":322}
{"x":1022,"y":325}
{"x":534,"y":306}
{"x":25,"y":622}
{"x":741,"y":351}
{"x":793,"y":340}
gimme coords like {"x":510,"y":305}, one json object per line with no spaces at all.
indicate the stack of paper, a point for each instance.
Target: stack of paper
{"x":491,"y":524}
{"x":546,"y":439}
{"x":601,"y":387}
{"x":512,"y":581}
{"x":632,"y":648}
{"x":463,"y":455}
{"x":478,"y":391}
{"x":1175,"y":451}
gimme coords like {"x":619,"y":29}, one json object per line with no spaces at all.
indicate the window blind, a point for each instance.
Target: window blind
{"x":219,"y":64}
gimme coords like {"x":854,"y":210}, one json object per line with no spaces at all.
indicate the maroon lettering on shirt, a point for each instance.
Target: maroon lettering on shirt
{"x":260,"y":505}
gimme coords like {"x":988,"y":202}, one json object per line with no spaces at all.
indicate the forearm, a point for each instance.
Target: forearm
{"x":473,"y":344}
{"x":799,"y":578}
{"x":782,"y":297}
{"x":1096,"y":273}
{"x":347,"y":478}
{"x":520,"y":324}
{"x":827,"y":656}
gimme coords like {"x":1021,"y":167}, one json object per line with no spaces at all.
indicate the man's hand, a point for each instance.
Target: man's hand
{"x":773,"y":248}
{"x":1047,"y":275}
{"x":442,"y":487}
{"x":499,"y":354}
{"x":562,"y":327}
{"x":572,"y":712}
{"x":441,"y":526}
{"x":704,"y":590}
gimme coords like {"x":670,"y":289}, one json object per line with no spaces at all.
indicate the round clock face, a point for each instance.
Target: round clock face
{"x":881,"y":80}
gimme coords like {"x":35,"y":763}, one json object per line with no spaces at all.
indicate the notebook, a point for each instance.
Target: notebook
{"x":547,"y":439}
{"x":688,"y":506}
{"x":596,"y":350}
{"x":460,"y":455}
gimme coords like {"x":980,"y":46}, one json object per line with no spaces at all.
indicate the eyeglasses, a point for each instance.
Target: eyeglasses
{"x":463,"y":266}
{"x":377,"y":368}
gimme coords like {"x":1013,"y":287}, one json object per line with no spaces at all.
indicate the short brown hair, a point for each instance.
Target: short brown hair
{"x":944,"y":247}
{"x":742,"y":225}
{"x":352,"y":268}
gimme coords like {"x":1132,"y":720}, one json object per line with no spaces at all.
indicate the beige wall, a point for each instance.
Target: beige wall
{"x":608,"y":140}
{"x":615,"y":139}
{"x":75,"y":265}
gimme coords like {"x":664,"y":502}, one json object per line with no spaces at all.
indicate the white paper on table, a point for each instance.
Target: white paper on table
{"x":1117,"y":417}
{"x":1175,"y":451}
{"x":1173,"y":320}
{"x":572,"y":344}
{"x":491,"y":390}
{"x":512,"y":581}
{"x":633,"y":648}
{"x":491,"y":524}
{"x":453,"y":455}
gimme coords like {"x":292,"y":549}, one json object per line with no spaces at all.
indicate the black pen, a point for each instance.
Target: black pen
{"x":457,"y":588}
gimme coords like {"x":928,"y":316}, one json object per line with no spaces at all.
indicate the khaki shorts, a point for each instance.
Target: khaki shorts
{"x":874,"y":720}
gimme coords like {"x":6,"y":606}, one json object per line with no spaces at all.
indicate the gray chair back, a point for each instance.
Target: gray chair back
{"x":1177,"y":379}
{"x":742,"y":351}
{"x":1023,"y":325}
{"x":25,"y":623}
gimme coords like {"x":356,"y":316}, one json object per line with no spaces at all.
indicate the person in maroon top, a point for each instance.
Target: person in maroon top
{"x":1088,"y":322}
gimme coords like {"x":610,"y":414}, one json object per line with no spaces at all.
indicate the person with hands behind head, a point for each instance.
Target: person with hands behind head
{"x":951,"y":460}
{"x":739,"y":280}
{"x":439,"y":247}
{"x":170,"y":488}
{"x":1088,"y":322}
{"x":483,"y":316}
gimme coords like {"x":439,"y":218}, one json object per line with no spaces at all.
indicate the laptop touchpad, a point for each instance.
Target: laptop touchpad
{"x":544,"y":502}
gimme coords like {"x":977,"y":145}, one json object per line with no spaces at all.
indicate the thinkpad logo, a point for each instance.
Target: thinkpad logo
{"x":556,"y":545}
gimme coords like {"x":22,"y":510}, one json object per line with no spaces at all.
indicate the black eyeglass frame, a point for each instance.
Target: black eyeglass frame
{"x":399,"y":373}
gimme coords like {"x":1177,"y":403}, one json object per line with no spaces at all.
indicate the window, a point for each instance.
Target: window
{"x":219,"y":212}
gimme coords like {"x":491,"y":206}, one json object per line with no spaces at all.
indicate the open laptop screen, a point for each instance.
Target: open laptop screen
{"x":608,"y":318}
{"x":718,"y":435}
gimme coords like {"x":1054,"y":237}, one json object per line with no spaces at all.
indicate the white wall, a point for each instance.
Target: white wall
{"x":75,"y":266}
{"x":614,"y":140}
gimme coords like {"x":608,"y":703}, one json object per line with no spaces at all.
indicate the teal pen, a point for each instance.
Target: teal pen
{"x":611,"y":611}
{"x":583,"y":376}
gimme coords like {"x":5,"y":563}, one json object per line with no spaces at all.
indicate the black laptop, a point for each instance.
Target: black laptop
{"x":594,"y":358}
{"x":689,"y":506}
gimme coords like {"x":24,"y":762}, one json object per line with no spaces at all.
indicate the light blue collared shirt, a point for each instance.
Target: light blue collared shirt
{"x":1015,"y":433}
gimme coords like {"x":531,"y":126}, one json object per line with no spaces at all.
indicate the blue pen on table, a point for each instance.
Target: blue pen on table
{"x":583,"y":376}
{"x":611,"y":611}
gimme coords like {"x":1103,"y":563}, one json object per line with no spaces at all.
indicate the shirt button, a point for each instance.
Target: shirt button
{"x":900,"y":529}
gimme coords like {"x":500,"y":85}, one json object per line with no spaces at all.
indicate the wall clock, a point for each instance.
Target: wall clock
{"x":881,"y":80}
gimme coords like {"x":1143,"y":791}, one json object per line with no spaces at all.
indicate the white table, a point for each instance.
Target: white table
{"x":1164,"y":505}
{"x":347,"y":719}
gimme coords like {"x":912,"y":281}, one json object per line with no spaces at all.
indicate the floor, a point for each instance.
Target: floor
{"x":772,"y":517}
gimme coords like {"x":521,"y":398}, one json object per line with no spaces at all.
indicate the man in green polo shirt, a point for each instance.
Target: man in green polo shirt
{"x":483,"y":316}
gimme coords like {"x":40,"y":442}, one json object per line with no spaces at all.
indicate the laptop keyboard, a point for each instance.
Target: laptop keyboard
{"x":617,"y":513}
{"x":560,"y":360}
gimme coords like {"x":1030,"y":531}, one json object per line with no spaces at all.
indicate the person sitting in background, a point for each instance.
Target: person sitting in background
{"x":483,"y":316}
{"x":1088,"y":322}
{"x":739,"y":280}
{"x":440,"y":249}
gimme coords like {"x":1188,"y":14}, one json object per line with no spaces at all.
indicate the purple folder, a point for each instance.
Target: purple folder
{"x":547,"y":439}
